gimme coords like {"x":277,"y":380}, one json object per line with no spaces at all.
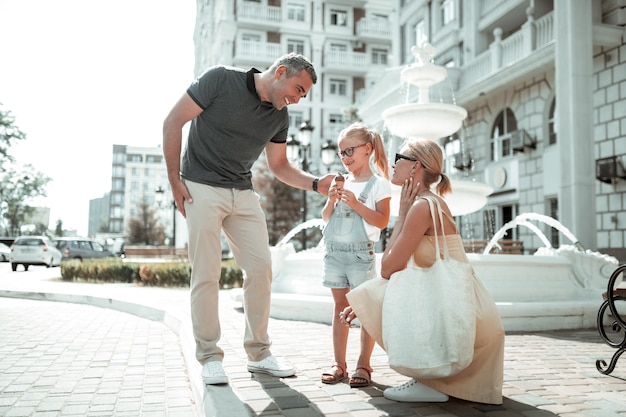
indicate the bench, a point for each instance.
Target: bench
{"x":507,"y":246}
{"x":617,"y":322}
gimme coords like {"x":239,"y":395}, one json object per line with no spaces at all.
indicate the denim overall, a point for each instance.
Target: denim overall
{"x":350,"y":256}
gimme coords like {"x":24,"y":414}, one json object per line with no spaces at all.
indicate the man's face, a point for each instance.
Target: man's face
{"x":290,"y":90}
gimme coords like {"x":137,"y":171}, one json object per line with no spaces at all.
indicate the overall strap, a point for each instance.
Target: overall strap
{"x":366,"y":190}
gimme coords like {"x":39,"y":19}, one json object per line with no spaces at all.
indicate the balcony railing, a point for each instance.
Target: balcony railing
{"x":373,"y":27}
{"x":257,"y":51}
{"x":251,"y":11}
{"x":533,"y":36}
{"x":343,"y":59}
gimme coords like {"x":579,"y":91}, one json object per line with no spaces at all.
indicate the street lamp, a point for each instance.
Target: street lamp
{"x":160,"y":197}
{"x":298,"y":150}
{"x":329,"y":153}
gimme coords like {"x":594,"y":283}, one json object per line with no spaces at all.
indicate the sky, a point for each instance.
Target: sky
{"x":79,"y":76}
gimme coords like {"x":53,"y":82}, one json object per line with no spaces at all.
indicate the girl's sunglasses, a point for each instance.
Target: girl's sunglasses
{"x":349,"y":151}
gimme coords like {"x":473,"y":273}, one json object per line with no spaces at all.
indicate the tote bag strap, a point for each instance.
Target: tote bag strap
{"x":432,"y":202}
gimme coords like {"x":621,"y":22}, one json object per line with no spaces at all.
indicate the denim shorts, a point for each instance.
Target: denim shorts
{"x":348,"y":267}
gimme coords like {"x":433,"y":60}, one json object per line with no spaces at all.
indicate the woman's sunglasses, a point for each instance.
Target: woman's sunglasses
{"x":399,"y":156}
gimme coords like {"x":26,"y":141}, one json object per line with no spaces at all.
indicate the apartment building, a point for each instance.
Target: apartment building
{"x":136,"y":175}
{"x":349,"y":42}
{"x":543,"y":82}
{"x":544,"y":86}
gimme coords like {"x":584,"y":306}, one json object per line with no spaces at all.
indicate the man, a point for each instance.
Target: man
{"x":235,"y":115}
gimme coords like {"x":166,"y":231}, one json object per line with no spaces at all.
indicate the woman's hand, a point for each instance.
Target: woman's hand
{"x":347,"y":315}
{"x":407,"y":196}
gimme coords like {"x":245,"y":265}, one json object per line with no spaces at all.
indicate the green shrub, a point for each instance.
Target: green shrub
{"x":162,"y":274}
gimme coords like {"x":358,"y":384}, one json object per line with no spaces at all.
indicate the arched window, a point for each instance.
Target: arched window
{"x":504,"y":125}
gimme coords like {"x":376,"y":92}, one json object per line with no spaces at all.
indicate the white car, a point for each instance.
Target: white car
{"x":34,"y":250}
{"x":5,"y":251}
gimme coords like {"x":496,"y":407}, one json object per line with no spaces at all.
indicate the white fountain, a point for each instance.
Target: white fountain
{"x":433,"y":120}
{"x":554,"y":288}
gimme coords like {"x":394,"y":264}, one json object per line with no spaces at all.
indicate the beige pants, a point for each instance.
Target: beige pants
{"x":238,"y":213}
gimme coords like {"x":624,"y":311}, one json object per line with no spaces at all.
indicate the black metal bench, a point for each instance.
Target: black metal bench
{"x":618,"y":325}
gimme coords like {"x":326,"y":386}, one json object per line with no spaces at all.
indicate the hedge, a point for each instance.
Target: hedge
{"x":161,"y":274}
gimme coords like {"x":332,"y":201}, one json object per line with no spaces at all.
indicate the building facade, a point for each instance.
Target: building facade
{"x":136,"y":175}
{"x":543,"y":83}
{"x":544,"y":86}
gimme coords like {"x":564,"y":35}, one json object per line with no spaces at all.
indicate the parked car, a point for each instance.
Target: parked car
{"x":34,"y":250}
{"x":5,"y":252}
{"x":81,"y":248}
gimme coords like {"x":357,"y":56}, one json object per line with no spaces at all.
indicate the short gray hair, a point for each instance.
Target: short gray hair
{"x":295,"y":63}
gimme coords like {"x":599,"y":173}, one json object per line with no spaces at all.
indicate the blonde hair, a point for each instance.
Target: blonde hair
{"x":367,"y":135}
{"x":430,"y":155}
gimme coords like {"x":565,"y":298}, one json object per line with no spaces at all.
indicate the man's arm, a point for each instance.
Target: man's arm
{"x":279,"y":165}
{"x":183,"y":111}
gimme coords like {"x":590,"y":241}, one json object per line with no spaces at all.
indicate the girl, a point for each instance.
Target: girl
{"x":356,"y":211}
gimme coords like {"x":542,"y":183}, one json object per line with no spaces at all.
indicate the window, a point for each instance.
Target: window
{"x":379,"y":56}
{"x":119,"y":158}
{"x":134,"y":158}
{"x":295,"y":12}
{"x":504,"y":125}
{"x":553,"y":208}
{"x":338,"y":17}
{"x":338,"y":87}
{"x":295,"y":45}
{"x":552,"y":123}
{"x":447,"y":11}
{"x":118,"y":171}
{"x":134,"y":171}
{"x":420,"y":32}
{"x":154,"y":159}
{"x":117,"y":184}
{"x":296,"y":119}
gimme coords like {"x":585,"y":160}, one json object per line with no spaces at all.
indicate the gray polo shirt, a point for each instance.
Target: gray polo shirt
{"x":229,"y":135}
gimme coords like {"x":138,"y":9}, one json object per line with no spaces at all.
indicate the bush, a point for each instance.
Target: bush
{"x":162,"y":274}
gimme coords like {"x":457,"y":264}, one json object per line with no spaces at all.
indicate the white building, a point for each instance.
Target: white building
{"x":136,"y":175}
{"x":544,"y":84}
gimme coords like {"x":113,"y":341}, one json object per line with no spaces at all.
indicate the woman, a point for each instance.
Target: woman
{"x":417,"y":167}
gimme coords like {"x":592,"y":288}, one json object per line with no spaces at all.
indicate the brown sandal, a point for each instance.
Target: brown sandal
{"x":337,"y":373}
{"x":360,"y":379}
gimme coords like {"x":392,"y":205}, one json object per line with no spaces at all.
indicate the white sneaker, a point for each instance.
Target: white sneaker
{"x":415,"y":392}
{"x":213,"y":373}
{"x":271,"y":366}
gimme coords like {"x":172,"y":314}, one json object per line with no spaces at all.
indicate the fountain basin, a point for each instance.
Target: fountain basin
{"x":466,"y":197}
{"x":554,"y":289}
{"x":428,"y":120}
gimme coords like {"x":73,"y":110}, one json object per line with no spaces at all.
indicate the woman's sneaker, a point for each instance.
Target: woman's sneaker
{"x":271,"y":366}
{"x":415,"y":392}
{"x":213,"y":373}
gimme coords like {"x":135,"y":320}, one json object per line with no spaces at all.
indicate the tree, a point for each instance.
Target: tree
{"x":58,"y":231}
{"x":145,"y":228}
{"x":19,"y":188}
{"x":280,"y":202}
{"x":9,"y":133}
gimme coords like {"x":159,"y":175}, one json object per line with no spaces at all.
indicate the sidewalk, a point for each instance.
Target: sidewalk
{"x":546,"y":373}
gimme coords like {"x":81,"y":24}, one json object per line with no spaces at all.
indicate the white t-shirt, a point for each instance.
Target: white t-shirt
{"x":380,"y":190}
